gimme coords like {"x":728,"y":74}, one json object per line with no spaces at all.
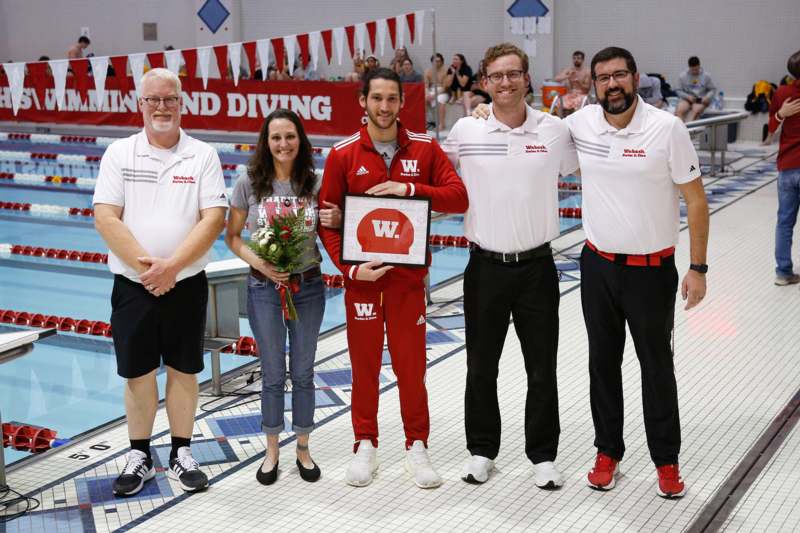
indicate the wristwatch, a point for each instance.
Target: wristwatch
{"x":702,"y":268}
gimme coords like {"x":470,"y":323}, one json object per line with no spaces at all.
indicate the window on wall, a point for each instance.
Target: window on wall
{"x":150,"y":31}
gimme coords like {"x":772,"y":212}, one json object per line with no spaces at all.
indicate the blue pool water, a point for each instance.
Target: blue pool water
{"x":68,"y":382}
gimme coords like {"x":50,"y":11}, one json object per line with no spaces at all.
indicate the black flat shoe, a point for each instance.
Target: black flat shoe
{"x":267,"y":478}
{"x":309,"y":474}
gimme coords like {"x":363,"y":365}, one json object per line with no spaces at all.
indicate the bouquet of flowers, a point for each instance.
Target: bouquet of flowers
{"x":280,"y":243}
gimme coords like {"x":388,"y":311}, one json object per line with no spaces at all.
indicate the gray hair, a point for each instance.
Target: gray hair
{"x":163,"y":74}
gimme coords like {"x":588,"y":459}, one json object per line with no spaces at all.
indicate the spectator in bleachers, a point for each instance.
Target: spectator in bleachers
{"x":436,"y":85}
{"x":400,"y":55}
{"x":784,"y":110}
{"x":76,"y":50}
{"x":459,"y":78}
{"x":477,"y":94}
{"x":358,"y":68}
{"x":407,"y":73}
{"x":371,"y":63}
{"x":650,"y":91}
{"x":696,"y":91}
{"x":578,"y":80}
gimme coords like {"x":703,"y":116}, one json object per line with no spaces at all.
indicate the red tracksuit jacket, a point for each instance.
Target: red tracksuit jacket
{"x":435,"y":178}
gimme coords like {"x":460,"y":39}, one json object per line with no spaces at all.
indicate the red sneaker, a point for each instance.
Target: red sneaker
{"x":603,"y":475}
{"x":670,"y":484}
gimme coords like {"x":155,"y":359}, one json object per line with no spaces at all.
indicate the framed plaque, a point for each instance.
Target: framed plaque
{"x":392,"y":229}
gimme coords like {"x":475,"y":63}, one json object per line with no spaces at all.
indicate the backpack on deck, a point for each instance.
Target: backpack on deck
{"x":760,"y":97}
{"x":666,"y":88}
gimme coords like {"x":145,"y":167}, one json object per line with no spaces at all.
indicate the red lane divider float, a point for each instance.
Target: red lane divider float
{"x":35,"y":178}
{"x":55,"y":253}
{"x":569,"y":185}
{"x":48,"y":209}
{"x":27,"y":438}
{"x":570,"y":212}
{"x":97,"y":328}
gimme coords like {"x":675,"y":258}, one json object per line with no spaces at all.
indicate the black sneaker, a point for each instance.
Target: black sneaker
{"x":186,"y":471}
{"x":138,"y":469}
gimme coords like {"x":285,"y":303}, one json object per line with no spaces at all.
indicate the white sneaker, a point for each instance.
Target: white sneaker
{"x":477,"y":469}
{"x":419,"y":466}
{"x":546,"y":476}
{"x":363,"y":466}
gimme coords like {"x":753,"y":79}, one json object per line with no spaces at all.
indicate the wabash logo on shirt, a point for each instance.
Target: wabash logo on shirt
{"x":535,"y":149}
{"x":385,"y":231}
{"x":633,"y":152}
{"x":365,"y":311}
{"x":409,"y":168}
{"x":183,"y":179}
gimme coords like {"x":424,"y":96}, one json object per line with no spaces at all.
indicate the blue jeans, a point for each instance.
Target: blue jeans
{"x":788,"y":202}
{"x":269,"y":330}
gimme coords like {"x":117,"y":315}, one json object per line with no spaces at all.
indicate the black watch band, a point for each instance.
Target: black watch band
{"x":699,"y":268}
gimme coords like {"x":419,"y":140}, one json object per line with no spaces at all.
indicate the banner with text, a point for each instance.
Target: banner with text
{"x":326,"y":108}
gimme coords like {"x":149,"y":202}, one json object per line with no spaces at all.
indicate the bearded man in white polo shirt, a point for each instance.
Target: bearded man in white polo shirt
{"x":635,"y":161}
{"x":510,"y":165}
{"x":159,"y":205}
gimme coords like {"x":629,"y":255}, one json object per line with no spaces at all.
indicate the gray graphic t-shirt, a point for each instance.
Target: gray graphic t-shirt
{"x":282,"y":201}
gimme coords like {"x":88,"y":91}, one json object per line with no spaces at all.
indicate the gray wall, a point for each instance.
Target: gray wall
{"x":738,"y":41}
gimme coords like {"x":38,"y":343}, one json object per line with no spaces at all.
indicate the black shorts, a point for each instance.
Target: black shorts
{"x":146,"y":328}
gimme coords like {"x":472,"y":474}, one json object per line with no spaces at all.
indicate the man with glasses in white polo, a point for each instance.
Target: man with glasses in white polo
{"x":159,"y":205}
{"x":510,"y":165}
{"x":635,"y":161}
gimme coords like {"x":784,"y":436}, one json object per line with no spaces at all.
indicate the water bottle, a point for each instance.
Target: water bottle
{"x":720,"y":102}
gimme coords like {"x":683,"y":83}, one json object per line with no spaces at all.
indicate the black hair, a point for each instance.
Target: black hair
{"x":437,"y":54}
{"x":793,"y":65}
{"x":579,"y":53}
{"x":84,"y":39}
{"x":261,"y":167}
{"x":613,"y":52}
{"x":694,"y":61}
{"x":380,"y":73}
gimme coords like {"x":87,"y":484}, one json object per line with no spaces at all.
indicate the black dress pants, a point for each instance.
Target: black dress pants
{"x":493,"y":293}
{"x":644,"y":297}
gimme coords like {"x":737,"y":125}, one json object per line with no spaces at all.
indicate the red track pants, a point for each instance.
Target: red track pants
{"x":402,"y":309}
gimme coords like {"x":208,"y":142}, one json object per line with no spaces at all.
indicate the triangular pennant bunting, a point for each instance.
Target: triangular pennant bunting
{"x":262,"y":47}
{"x":371,"y":28}
{"x":203,"y":59}
{"x":80,"y":71}
{"x":59,"y":68}
{"x":277,"y":50}
{"x":250,"y":52}
{"x":339,"y":38}
{"x":302,"y":42}
{"x":411,"y":27}
{"x":327,"y":43}
{"x":313,"y":48}
{"x":120,"y":66}
{"x":401,"y":30}
{"x":235,"y":55}
{"x":290,"y":43}
{"x":361,"y":35}
{"x":351,"y":31}
{"x":221,"y":52}
{"x":99,"y":70}
{"x":156,"y":59}
{"x":190,"y":57}
{"x":173,"y":61}
{"x":16,"y":81}
{"x":136,"y":61}
{"x":381,"y":31}
{"x":38,"y":81}
{"x":392,"y":25}
{"x":419,"y":20}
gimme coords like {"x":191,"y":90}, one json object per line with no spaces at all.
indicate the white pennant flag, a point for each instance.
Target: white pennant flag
{"x":361,"y":33}
{"x":203,"y":57}
{"x":235,"y":56}
{"x":16,"y":80}
{"x":136,"y":62}
{"x":59,"y":69}
{"x":99,"y":71}
{"x":174,"y":59}
{"x":419,"y":22}
{"x":289,"y":43}
{"x":314,"y":39}
{"x":380,"y":31}
{"x":338,"y":39}
{"x":262,"y":47}
{"x":401,"y":30}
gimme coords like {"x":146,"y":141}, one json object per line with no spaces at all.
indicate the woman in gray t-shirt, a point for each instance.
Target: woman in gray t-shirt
{"x":281,"y":179}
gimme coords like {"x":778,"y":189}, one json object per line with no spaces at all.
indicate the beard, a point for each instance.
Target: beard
{"x":161,"y":125}
{"x":619,"y":107}
{"x":374,"y":119}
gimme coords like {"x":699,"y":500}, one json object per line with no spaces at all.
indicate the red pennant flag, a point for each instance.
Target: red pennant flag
{"x":221,"y":52}
{"x":156,"y":59}
{"x":38,"y":80}
{"x":411,"y":27}
{"x":120,"y":66}
{"x":190,"y":58}
{"x":277,"y":49}
{"x":80,"y":68}
{"x":327,"y":41}
{"x":372,"y":27}
{"x":250,"y":52}
{"x":302,"y":40}
{"x":351,"y":33}
{"x":392,"y":23}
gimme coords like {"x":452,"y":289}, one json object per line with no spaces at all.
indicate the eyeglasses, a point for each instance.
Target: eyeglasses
{"x":619,"y":75}
{"x":170,"y":102}
{"x":512,"y":75}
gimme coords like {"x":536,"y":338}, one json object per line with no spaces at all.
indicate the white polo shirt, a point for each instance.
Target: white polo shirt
{"x":161,"y":194}
{"x":630,"y":177}
{"x":511,"y":176}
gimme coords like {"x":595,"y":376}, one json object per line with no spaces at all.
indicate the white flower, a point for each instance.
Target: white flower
{"x":273,"y":247}
{"x":263,"y":242}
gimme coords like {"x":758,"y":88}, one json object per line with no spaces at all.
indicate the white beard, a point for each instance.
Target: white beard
{"x":161,"y":126}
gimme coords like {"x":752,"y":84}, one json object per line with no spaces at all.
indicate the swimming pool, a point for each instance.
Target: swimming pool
{"x":68,"y":382}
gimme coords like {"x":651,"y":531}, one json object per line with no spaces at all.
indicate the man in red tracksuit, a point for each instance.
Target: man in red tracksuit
{"x":384,"y":158}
